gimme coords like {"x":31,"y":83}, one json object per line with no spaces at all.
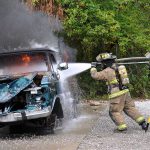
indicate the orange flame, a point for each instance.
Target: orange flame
{"x":26,"y":59}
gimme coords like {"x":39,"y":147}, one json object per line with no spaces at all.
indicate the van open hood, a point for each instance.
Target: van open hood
{"x":10,"y":90}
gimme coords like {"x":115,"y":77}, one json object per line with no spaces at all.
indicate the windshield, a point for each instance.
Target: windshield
{"x":23,"y":63}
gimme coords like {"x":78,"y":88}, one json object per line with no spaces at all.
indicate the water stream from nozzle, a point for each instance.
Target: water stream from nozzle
{"x":69,"y":100}
{"x":74,"y":69}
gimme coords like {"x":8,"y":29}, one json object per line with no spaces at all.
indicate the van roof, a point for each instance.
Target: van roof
{"x":23,"y":50}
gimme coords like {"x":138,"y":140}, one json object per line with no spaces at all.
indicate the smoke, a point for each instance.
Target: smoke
{"x":68,"y":53}
{"x":20,"y":27}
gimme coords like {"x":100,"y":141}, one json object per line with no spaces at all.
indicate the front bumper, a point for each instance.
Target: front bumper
{"x":25,"y":115}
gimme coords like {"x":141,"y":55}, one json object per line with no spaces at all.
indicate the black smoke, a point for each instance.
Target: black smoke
{"x":19,"y":26}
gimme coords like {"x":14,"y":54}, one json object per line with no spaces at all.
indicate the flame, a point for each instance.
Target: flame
{"x":26,"y":59}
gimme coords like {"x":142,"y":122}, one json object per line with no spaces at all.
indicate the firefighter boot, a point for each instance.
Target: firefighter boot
{"x":143,"y":125}
{"x":121,"y":129}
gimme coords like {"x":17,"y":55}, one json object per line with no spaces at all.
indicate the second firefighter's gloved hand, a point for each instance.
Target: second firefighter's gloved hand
{"x":93,"y":64}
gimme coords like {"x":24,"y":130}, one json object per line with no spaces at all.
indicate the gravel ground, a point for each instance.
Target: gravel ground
{"x":93,"y":130}
{"x":102,"y":137}
{"x":49,"y":142}
{"x":66,"y":138}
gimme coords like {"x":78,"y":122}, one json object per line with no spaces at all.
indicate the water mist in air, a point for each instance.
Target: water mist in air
{"x":70,"y":97}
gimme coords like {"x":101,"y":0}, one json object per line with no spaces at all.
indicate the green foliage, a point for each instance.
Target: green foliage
{"x":139,"y":79}
{"x":34,"y":2}
{"x":94,"y":26}
{"x":102,"y":24}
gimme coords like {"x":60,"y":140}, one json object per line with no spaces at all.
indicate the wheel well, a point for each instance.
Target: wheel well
{"x":57,"y":109}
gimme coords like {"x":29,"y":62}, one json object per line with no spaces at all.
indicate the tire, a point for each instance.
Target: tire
{"x":50,"y":123}
{"x":17,"y":129}
{"x":57,"y":109}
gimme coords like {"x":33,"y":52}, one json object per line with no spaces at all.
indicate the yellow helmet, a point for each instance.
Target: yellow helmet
{"x":105,"y":56}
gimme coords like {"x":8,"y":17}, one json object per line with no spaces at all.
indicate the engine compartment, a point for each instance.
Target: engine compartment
{"x":37,"y":95}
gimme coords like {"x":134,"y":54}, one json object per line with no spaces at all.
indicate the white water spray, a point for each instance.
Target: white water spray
{"x":74,"y":69}
{"x":69,"y":101}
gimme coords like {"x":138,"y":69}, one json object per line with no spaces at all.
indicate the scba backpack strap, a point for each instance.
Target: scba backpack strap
{"x":122,"y":76}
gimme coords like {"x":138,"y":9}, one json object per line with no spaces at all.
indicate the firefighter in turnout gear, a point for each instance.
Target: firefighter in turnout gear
{"x":120,"y":100}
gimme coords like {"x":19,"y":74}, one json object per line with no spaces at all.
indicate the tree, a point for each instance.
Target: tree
{"x":94,"y":26}
{"x":121,"y":27}
{"x":99,"y":24}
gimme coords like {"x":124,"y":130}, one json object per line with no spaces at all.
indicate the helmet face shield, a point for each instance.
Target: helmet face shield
{"x":108,"y":63}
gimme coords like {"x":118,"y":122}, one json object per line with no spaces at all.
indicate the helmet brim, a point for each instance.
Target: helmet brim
{"x":111,"y":58}
{"x":99,"y":58}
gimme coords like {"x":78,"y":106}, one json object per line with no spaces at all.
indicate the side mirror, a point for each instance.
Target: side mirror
{"x":62,"y":66}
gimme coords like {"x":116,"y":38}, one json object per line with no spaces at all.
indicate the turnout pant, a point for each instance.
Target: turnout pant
{"x":126,"y":104}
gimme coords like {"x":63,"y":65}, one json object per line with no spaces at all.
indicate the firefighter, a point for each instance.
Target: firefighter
{"x":120,"y":100}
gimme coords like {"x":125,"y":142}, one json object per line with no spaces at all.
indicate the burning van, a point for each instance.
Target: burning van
{"x":29,"y":88}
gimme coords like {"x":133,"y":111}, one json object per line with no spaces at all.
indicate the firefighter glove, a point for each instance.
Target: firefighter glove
{"x":93,"y":69}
